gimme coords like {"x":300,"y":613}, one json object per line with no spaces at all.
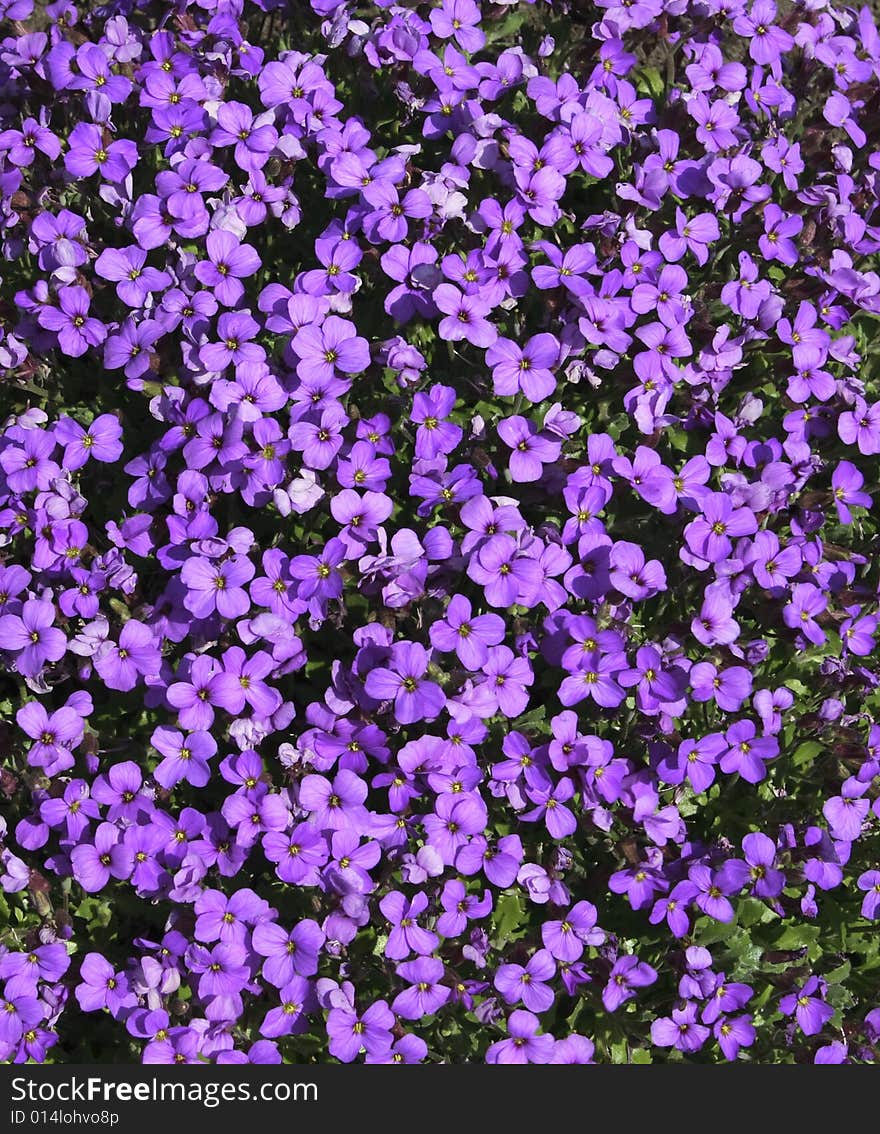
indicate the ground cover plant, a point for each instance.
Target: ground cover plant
{"x":438,"y":563}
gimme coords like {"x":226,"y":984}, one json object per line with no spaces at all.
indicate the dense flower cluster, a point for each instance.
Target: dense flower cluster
{"x":438,"y":589}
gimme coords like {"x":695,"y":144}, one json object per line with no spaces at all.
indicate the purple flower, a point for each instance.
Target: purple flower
{"x":350,"y":1034}
{"x":710,"y":537}
{"x":242,"y":682}
{"x":135,"y":655}
{"x":627,"y":975}
{"x":528,"y":984}
{"x":503,"y":572}
{"x":772,"y":564}
{"x":846,"y":484}
{"x":694,"y":234}
{"x":527,"y":369}
{"x":507,"y":678}
{"x":434,"y":435}
{"x":455,"y":818}
{"x":861,"y":426}
{"x":45,"y":962}
{"x":101,"y":987}
{"x":846,"y":812}
{"x":869,"y":883}
{"x":221,"y":970}
{"x":319,"y":575}
{"x":32,"y":637}
{"x":88,"y":152}
{"x":135,"y":282}
{"x":289,"y":1018}
{"x":252,"y":138}
{"x":597,"y":678}
{"x":574,"y":1049}
{"x":779,"y":228}
{"x":19,"y":1014}
{"x":680,"y":1030}
{"x":760,"y":856}
{"x":95,"y":863}
{"x":76,"y":329}
{"x":235,"y":330}
{"x":228,"y":263}
{"x":465,"y":316}
{"x":415,"y":699}
{"x":523,"y":1044}
{"x":217,"y":586}
{"x":325,"y":349}
{"x":729,"y":687}
{"x":459,"y":19}
{"x":185,"y":757}
{"x":406,"y":936}
{"x":566,"y":939}
{"x":287,"y":954}
{"x":173,"y":1046}
{"x":712,"y":889}
{"x":337,"y":805}
{"x":734,"y":1033}
{"x":655,"y":686}
{"x":531,"y":449}
{"x":254,"y":529}
{"x":121,"y":791}
{"x":808,"y":1006}
{"x":715,"y":624}
{"x":359,"y":515}
{"x":460,"y":907}
{"x":672,"y":908}
{"x":470,"y":636}
{"x":101,"y":441}
{"x":426,"y":995}
{"x":767,"y":42}
{"x":800,"y":613}
{"x":193,"y":698}
{"x":55,"y":735}
{"x":747,"y":752}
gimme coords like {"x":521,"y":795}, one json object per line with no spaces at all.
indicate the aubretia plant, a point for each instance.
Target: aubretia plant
{"x":438,"y":588}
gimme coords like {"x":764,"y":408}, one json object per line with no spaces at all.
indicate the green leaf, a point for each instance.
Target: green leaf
{"x":650,"y":80}
{"x":507,"y":27}
{"x":806,"y":753}
{"x":839,"y":975}
{"x":95,"y":912}
{"x":509,"y":917}
{"x":752,"y":911}
{"x":710,"y":932}
{"x":532,"y":719}
{"x":797,"y":936}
